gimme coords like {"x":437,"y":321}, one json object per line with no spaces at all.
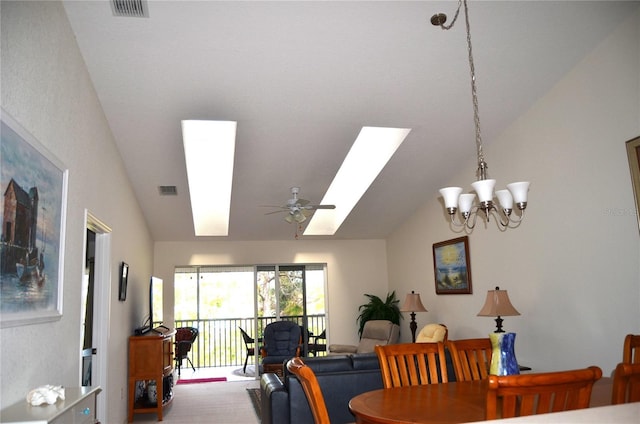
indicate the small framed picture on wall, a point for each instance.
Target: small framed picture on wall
{"x":124,"y":277}
{"x":452,"y":268}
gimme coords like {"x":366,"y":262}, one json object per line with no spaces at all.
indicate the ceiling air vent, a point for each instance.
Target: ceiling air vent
{"x":130,"y":8}
{"x":168,"y":190}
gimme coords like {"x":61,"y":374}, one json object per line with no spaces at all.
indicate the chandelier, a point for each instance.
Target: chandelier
{"x":454,"y":199}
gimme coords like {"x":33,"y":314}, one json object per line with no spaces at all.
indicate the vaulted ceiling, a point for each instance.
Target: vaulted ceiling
{"x":302,"y":78}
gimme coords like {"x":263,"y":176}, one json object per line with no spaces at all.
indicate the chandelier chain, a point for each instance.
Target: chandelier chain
{"x":474,"y":95}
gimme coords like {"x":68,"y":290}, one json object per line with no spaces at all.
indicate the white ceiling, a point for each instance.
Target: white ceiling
{"x":302,"y":78}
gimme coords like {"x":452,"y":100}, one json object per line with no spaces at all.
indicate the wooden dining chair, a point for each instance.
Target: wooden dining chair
{"x":311,"y":388}
{"x":631,"y":349}
{"x":412,"y":364}
{"x":529,"y":394}
{"x":626,"y":383}
{"x":471,"y":358}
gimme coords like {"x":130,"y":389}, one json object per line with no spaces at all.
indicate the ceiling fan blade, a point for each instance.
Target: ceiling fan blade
{"x":309,"y":207}
{"x":302,"y":202}
{"x":271,"y":213}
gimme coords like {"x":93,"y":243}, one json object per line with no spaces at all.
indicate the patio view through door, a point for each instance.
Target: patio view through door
{"x":221,"y":300}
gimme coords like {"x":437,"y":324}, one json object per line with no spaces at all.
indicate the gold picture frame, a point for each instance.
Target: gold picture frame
{"x":633,"y":152}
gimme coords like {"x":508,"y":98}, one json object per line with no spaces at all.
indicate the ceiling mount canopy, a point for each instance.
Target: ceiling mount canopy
{"x":484,"y":187}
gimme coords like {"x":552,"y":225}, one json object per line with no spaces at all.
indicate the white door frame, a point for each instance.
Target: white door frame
{"x":101,"y":308}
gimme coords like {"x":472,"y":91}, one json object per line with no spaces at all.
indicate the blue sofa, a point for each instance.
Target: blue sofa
{"x":341,"y":377}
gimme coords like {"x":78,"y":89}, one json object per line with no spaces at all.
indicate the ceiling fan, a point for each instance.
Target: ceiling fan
{"x":298,"y":210}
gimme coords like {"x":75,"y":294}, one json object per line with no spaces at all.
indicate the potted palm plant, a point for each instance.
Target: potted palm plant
{"x":376,"y":308}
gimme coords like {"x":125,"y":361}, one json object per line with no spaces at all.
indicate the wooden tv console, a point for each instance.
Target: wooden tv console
{"x":151,"y":358}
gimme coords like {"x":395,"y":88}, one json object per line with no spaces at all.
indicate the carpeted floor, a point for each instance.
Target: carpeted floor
{"x":206,"y":403}
{"x":201,"y":380}
{"x":255,"y":396}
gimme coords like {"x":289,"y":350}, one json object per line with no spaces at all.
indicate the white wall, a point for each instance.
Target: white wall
{"x":572,"y":268}
{"x":46,"y":88}
{"x":354,"y":267}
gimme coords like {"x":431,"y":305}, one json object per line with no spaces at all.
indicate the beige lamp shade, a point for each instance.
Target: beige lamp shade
{"x":412,"y":303}
{"x":497,"y":304}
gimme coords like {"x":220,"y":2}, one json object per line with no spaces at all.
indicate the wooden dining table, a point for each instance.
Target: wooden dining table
{"x":440,"y":403}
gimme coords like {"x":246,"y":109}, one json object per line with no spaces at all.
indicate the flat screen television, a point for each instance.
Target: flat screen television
{"x":155,"y":318}
{"x":155,"y":304}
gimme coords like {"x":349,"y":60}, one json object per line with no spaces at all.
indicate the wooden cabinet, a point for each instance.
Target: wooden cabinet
{"x":78,"y":407}
{"x":151,"y":358}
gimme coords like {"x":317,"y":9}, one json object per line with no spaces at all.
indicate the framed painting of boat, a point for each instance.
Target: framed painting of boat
{"x":34,"y":201}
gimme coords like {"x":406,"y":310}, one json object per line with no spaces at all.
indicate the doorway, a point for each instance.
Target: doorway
{"x":88,"y":284}
{"x":96,"y":308}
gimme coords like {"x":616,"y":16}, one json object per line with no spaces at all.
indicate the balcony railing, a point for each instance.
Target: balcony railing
{"x":220,"y":343}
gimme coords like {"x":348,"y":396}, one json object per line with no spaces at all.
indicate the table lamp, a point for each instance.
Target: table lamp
{"x":413,"y":304}
{"x":498,"y":305}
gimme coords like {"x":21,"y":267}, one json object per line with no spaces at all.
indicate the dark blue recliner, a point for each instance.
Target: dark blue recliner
{"x":281,"y":341}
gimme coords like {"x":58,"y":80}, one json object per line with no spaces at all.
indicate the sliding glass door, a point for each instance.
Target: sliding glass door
{"x":219,"y":300}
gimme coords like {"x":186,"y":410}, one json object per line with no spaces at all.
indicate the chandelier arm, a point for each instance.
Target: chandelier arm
{"x":454,"y":223}
{"x":502,"y":221}
{"x":455,"y":226}
{"x":515,"y":223}
{"x":472,"y":217}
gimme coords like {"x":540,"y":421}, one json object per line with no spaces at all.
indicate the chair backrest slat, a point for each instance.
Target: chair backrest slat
{"x":626,"y":383}
{"x":529,"y":394}
{"x":471,"y":358}
{"x":631,"y":349}
{"x":412,"y":364}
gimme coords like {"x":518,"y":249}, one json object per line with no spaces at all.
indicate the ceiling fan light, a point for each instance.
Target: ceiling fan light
{"x":299,"y":217}
{"x":289,"y":218}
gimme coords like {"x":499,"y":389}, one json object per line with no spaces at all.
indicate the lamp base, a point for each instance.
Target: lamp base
{"x":499,"y":325}
{"x":413,"y":326}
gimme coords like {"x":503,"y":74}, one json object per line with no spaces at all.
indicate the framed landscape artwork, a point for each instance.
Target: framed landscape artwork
{"x":633,"y":152}
{"x":34,"y":188}
{"x":452,"y":268}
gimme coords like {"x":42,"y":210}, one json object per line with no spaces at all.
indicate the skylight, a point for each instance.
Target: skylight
{"x":369,"y":154}
{"x":209,"y":148}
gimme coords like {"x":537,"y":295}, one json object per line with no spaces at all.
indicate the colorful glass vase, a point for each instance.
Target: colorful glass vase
{"x":503,"y":356}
